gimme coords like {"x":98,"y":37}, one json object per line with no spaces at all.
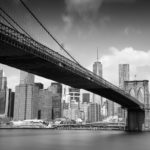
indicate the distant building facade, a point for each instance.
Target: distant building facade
{"x":26,"y":98}
{"x":56,"y":106}
{"x":84,"y":109}
{"x":26,"y":102}
{"x":97,"y":69}
{"x":110,"y":108}
{"x":26,"y":78}
{"x":11,"y":98}
{"x":45,"y":105}
{"x":56,"y":89}
{"x":3,"y":95}
{"x":94,"y":112}
{"x":74,"y":94}
{"x":85,"y":97}
{"x":123,"y":74}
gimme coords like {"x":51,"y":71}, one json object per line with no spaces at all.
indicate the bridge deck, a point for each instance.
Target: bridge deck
{"x":22,"y":52}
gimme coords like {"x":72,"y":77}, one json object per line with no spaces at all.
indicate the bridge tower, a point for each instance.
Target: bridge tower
{"x":137,"y":119}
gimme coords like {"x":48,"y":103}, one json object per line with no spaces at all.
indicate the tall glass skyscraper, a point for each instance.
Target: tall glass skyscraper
{"x":26,"y":98}
{"x":26,"y":78}
{"x":97,"y":69}
{"x":123,"y":74}
{"x":3,"y":94}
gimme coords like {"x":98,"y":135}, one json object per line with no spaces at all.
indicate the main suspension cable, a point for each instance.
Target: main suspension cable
{"x":33,"y":15}
{"x":8,"y":22}
{"x":14,"y":22}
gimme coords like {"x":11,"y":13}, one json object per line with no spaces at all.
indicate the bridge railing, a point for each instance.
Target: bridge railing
{"x":27,"y":41}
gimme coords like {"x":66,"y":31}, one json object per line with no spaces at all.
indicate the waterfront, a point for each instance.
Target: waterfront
{"x":38,"y":139}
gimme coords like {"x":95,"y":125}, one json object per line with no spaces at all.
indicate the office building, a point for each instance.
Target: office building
{"x":2,"y":102}
{"x":26,"y":102}
{"x":11,"y":103}
{"x":45,"y":105}
{"x":26,"y":78}
{"x":123,"y":74}
{"x":26,"y":98}
{"x":74,"y":94}
{"x":97,"y":69}
{"x":86,"y":97}
{"x":3,"y":95}
{"x":56,"y":106}
{"x":84,"y":109}
{"x":94,"y":112}
{"x":110,"y":108}
{"x":56,"y":89}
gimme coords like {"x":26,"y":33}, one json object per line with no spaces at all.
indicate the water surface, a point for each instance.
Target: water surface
{"x":38,"y":139}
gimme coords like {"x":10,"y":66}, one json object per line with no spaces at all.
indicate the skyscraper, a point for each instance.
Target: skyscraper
{"x":26,"y":78}
{"x":1,"y":78}
{"x":74,"y":94}
{"x":3,"y":95}
{"x":56,"y":89}
{"x":86,"y":97}
{"x":94,"y":112}
{"x":11,"y":103}
{"x":26,"y":102}
{"x":45,"y":105}
{"x":2,"y":102}
{"x":3,"y":81}
{"x":26,"y":98}
{"x":123,"y":74}
{"x":97,"y":69}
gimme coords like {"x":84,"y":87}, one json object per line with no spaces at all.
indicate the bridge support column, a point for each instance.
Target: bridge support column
{"x":135,"y":120}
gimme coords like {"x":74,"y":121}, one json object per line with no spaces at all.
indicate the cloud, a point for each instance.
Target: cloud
{"x":131,"y":30}
{"x":80,"y":12}
{"x":120,"y":1}
{"x":86,"y":10}
{"x":137,"y":59}
{"x":83,"y":7}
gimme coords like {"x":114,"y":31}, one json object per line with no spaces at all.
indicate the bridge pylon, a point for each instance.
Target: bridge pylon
{"x":135,"y":120}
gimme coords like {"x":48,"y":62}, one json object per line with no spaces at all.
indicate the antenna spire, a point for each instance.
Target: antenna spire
{"x":97,"y":55}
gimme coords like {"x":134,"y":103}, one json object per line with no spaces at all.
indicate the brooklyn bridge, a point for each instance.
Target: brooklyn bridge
{"x":22,"y":52}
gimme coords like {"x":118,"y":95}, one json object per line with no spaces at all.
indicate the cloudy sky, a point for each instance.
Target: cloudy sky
{"x":118,"y":28}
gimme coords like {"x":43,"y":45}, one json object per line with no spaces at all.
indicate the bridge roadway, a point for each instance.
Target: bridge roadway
{"x":22,"y":52}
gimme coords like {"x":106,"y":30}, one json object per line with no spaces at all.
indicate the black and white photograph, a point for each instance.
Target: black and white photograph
{"x":74,"y":75}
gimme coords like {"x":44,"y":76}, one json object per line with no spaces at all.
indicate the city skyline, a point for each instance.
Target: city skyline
{"x":82,"y":32}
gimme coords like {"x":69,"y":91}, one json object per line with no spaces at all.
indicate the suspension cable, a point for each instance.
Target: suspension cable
{"x":8,"y":22}
{"x":33,"y":15}
{"x":14,"y":22}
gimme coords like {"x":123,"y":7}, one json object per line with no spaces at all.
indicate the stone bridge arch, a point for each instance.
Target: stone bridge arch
{"x":140,"y":95}
{"x":138,"y":89}
{"x":141,"y":91}
{"x":132,"y":92}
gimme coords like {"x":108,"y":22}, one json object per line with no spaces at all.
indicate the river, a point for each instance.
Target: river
{"x":38,"y":139}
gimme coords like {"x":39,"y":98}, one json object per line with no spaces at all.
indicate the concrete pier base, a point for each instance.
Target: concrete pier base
{"x":135,"y":120}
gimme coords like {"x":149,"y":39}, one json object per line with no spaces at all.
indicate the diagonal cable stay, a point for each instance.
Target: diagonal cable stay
{"x":4,"y":12}
{"x":34,"y":16}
